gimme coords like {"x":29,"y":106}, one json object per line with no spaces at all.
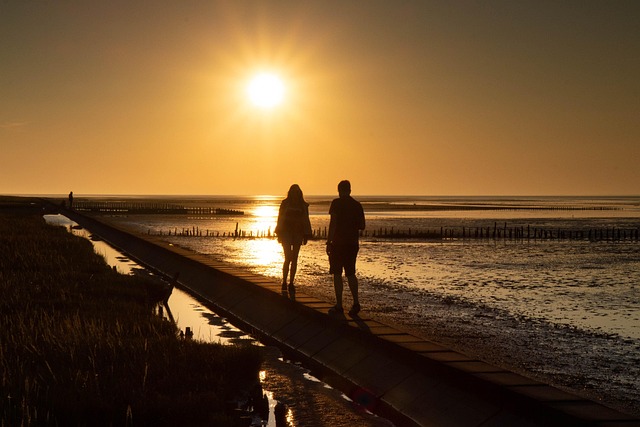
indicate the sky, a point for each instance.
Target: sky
{"x":400,"y":97}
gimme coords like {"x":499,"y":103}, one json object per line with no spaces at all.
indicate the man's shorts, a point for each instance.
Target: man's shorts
{"x":343,"y":257}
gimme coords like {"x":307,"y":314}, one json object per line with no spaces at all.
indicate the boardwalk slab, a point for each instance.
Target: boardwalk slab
{"x":378,"y":373}
{"x":445,"y":356}
{"x":308,"y":332}
{"x":342,"y":354}
{"x":421,"y":346}
{"x":402,"y":337}
{"x":319,"y":341}
{"x":293,"y":328}
{"x":473,"y":366}
{"x":443,"y":403}
{"x":544,"y":393}
{"x":507,"y":379}
{"x":587,"y":410}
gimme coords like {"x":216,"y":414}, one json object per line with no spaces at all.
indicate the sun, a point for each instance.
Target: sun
{"x":266,"y":90}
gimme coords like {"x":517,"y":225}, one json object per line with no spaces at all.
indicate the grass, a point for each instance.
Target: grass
{"x":80,"y":345}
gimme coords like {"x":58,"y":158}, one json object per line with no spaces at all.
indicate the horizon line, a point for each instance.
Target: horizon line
{"x":165,"y":195}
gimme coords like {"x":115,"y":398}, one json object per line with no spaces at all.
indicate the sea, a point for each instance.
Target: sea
{"x":549,"y":264}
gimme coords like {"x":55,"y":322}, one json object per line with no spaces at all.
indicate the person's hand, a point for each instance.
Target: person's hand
{"x":329,"y":248}
{"x":304,"y":240}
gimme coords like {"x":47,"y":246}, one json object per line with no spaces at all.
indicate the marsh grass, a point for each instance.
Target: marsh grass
{"x":79,"y":344}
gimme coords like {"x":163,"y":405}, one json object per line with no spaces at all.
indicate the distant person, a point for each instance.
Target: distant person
{"x":293,"y":230}
{"x":71,"y":200}
{"x":347,"y":219}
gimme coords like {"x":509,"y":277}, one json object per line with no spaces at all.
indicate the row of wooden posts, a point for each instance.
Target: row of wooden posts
{"x":496,"y":232}
{"x":149,"y":208}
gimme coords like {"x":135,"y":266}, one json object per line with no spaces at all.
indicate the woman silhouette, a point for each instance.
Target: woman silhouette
{"x":293,"y":230}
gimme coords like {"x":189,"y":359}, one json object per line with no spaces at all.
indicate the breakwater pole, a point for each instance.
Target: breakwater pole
{"x":502,"y":232}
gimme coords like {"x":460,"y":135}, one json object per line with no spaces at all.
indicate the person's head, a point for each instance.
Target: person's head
{"x":344,"y":188}
{"x":295,"y":193}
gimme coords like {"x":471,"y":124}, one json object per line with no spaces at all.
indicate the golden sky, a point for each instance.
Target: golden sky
{"x":414,"y":97}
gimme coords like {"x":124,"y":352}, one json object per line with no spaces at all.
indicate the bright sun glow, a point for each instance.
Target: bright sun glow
{"x":266,"y":90}
{"x":266,"y":217}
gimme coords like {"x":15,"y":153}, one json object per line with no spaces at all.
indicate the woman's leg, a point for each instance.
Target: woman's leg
{"x":285,"y":266}
{"x":295,"y":250}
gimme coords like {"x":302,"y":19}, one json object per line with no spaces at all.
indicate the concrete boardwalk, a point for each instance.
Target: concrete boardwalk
{"x":403,"y":377}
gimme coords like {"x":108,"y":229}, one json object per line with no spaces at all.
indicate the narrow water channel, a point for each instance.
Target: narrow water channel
{"x":318,"y":404}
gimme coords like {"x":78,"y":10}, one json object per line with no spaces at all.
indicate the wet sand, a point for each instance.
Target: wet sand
{"x":536,"y":350}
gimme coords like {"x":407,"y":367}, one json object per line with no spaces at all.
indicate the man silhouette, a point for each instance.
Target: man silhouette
{"x":347,"y":219}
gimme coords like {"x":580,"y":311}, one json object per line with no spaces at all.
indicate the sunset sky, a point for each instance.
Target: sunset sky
{"x":401,"y":97}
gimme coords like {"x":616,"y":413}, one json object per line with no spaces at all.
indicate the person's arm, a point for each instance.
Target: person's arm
{"x":332,"y":229}
{"x":307,"y":222}
{"x":308,"y":232}
{"x":279,"y":224}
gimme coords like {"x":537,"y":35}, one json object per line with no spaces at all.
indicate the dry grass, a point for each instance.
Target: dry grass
{"x":79,"y":344}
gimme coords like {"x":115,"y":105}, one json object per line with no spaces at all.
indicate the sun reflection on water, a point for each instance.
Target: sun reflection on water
{"x":264,"y":219}
{"x":262,"y":252}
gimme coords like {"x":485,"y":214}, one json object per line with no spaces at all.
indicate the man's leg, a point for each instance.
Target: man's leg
{"x":337,"y":286}
{"x":350,"y":272}
{"x":353,"y":286}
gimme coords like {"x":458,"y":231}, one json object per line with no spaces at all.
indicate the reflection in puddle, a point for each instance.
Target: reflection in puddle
{"x":205,"y":324}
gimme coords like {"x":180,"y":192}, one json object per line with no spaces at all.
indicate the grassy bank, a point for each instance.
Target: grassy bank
{"x":79,"y":344}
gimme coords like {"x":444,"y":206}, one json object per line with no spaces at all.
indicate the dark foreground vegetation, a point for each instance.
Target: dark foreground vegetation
{"x":80,"y":345}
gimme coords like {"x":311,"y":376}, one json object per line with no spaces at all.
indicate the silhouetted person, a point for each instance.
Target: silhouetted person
{"x":293,"y":230}
{"x":71,"y":200}
{"x":347,"y":219}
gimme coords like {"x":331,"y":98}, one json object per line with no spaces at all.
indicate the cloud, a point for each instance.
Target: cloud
{"x":13,"y":125}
